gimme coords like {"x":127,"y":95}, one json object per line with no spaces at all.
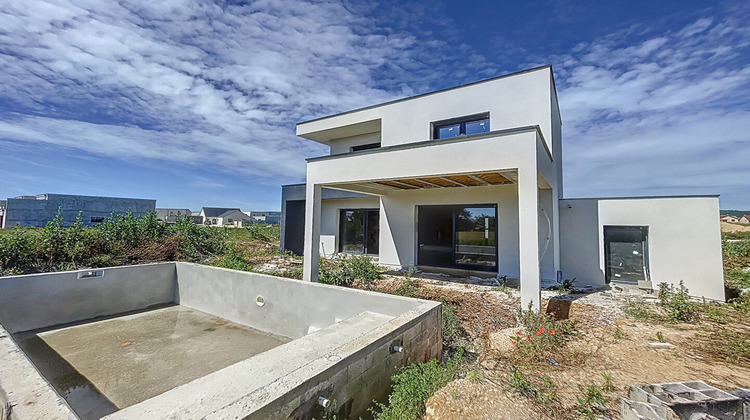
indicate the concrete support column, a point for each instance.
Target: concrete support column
{"x":528,"y":238}
{"x":311,"y":260}
{"x":556,"y":227}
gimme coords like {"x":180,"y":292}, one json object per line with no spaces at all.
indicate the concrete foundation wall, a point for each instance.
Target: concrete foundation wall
{"x":684,"y":239}
{"x":43,"y":300}
{"x":291,"y":308}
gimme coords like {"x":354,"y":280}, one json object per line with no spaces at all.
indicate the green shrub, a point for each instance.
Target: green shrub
{"x":234,"y":258}
{"x":677,"y":303}
{"x":345,"y":270}
{"x":18,"y":253}
{"x":413,"y":385}
{"x":591,"y":402}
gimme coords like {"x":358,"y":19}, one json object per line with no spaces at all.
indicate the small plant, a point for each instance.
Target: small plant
{"x":566,"y":286}
{"x":638,"y":309}
{"x":538,"y":388}
{"x":619,"y":334}
{"x":713,"y":314}
{"x":408,"y":287}
{"x":450,"y":324}
{"x":413,"y":385}
{"x":591,"y":402}
{"x":607,"y":386}
{"x":660,"y":337}
{"x":677,"y":303}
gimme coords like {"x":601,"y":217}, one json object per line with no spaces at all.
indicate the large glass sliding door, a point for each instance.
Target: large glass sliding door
{"x":359,"y":231}
{"x":458,"y":236}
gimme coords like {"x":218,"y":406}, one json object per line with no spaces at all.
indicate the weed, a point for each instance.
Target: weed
{"x":737,"y":278}
{"x":677,"y":303}
{"x":591,"y":402}
{"x":408,"y":287}
{"x":413,"y":385}
{"x":607,"y":386}
{"x":619,"y":334}
{"x":450,"y":324}
{"x":538,"y":388}
{"x":474,"y":376}
{"x":660,"y":337}
{"x":742,"y":303}
{"x":638,"y":309}
{"x":712,"y":313}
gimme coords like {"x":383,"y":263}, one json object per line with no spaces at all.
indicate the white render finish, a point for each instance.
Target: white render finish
{"x":537,"y":238}
{"x":684,"y":240}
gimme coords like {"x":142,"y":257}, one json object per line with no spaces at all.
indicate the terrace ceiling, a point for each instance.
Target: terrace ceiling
{"x":479,"y":179}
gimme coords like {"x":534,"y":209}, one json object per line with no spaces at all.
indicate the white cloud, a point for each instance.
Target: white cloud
{"x":667,"y":114}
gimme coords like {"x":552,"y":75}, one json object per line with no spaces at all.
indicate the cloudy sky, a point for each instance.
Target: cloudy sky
{"x":194,"y":103}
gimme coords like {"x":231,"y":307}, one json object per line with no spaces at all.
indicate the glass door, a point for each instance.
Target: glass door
{"x":457,"y":236}
{"x":626,"y":253}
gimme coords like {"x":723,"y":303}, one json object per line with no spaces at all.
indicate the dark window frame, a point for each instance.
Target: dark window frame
{"x":365,"y":230}
{"x":460,"y":121}
{"x":367,"y":146}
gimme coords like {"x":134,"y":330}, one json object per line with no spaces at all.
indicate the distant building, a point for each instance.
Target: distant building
{"x":745,"y":218}
{"x":220,"y":216}
{"x":268,"y":217}
{"x":30,"y":210}
{"x":729,"y":218}
{"x":171,"y":215}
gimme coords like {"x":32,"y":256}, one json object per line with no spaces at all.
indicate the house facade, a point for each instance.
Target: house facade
{"x":470,"y":178}
{"x":220,"y":216}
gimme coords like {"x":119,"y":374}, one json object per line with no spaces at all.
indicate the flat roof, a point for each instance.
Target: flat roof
{"x":645,"y":197}
{"x":549,"y":66}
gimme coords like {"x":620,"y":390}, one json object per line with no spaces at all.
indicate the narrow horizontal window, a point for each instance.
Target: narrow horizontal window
{"x":462,"y":126}
{"x":365,"y":147}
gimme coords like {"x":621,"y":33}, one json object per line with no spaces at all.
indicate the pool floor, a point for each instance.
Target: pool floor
{"x":102,"y":366}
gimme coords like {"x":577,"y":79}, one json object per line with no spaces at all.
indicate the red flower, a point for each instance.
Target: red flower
{"x":514,"y":342}
{"x":552,"y":332}
{"x":551,"y":314}
{"x":519,"y":333}
{"x":529,"y":338}
{"x":540,"y":331}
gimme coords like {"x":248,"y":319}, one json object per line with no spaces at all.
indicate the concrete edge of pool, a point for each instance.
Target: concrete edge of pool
{"x":341,"y":348}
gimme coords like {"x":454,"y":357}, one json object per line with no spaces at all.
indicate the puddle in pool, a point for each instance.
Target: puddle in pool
{"x":102,"y":366}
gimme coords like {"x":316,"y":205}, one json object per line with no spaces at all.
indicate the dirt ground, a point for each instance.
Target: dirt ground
{"x":485,"y":312}
{"x":735,"y":227}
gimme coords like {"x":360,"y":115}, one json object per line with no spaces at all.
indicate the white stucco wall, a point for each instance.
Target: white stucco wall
{"x":343,"y":145}
{"x":684,"y":239}
{"x":329,"y":219}
{"x":518,"y":100}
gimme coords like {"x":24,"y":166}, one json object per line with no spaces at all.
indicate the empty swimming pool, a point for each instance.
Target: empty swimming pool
{"x":179,"y":340}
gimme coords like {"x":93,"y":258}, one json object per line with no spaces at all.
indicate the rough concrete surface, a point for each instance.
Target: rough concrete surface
{"x":100,"y":367}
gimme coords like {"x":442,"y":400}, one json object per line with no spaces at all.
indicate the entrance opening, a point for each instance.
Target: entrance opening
{"x":458,"y":236}
{"x":626,"y":253}
{"x":359,"y":231}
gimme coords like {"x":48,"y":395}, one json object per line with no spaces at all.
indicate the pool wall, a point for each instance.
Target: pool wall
{"x":342,"y":347}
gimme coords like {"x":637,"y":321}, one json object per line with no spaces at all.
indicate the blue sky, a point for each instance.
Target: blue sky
{"x":193,"y":103}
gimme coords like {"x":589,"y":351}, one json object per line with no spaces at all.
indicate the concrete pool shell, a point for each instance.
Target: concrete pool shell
{"x":180,"y":340}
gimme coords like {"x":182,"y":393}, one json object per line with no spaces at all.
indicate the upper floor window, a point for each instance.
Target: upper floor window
{"x":365,"y":147}
{"x":463,"y":126}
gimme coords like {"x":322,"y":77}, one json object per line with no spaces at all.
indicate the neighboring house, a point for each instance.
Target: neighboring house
{"x":171,"y":215}
{"x":470,"y":178}
{"x":745,"y":218}
{"x":729,"y":218}
{"x":267,"y":217}
{"x":220,"y":216}
{"x":37,"y":210}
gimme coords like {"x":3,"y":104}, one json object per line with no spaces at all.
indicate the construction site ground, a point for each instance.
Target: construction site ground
{"x":607,"y":342}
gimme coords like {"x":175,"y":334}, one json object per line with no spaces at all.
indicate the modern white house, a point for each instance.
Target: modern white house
{"x":220,"y":216}
{"x":470,"y":178}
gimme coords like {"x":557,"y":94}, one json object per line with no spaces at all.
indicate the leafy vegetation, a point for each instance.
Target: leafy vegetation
{"x":537,"y":387}
{"x":413,"y":385}
{"x":677,"y":303}
{"x":542,"y":335}
{"x":592,"y":399}
{"x":347,"y":269}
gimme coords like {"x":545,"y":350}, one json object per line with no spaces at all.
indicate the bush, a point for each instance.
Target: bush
{"x":450,"y":324}
{"x":639,"y":309}
{"x":677,"y":303}
{"x":742,"y":303}
{"x":413,"y":385}
{"x":348,"y":268}
{"x":18,"y":253}
{"x":737,"y":278}
{"x":538,"y":388}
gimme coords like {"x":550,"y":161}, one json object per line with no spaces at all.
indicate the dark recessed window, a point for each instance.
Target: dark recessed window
{"x":365,"y":147}
{"x":463,"y":126}
{"x":97,"y":219}
{"x":359,"y":231}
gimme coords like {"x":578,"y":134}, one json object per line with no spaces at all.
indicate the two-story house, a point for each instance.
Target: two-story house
{"x":470,"y":178}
